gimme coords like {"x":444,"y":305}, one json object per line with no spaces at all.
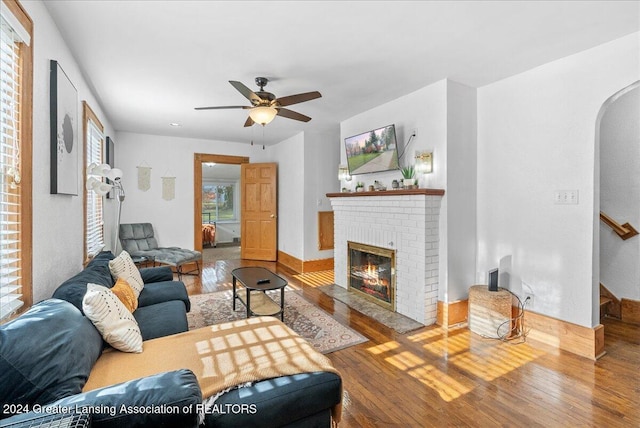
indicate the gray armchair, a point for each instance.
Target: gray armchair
{"x":138,"y":240}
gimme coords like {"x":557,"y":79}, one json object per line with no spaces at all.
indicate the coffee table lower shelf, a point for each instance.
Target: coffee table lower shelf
{"x":261,"y":304}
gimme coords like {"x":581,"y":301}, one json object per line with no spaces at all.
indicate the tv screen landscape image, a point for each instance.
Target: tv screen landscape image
{"x":372,"y":151}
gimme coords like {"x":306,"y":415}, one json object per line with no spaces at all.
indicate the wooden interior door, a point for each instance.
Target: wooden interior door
{"x":259,"y":231}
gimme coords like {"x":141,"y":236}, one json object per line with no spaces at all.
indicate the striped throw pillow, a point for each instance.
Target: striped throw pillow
{"x":123,"y":267}
{"x":115,"y":323}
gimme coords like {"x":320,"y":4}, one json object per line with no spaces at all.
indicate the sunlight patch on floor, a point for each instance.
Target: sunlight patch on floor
{"x":447,"y":387}
{"x":316,"y":279}
{"x":383,"y":347}
{"x":475,"y":357}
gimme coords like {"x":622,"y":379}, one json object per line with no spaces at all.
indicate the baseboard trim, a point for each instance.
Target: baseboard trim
{"x":630,"y":311}
{"x":289,"y":261}
{"x":317,"y":265}
{"x":584,"y":341}
{"x":452,"y":313}
{"x":304,"y":266}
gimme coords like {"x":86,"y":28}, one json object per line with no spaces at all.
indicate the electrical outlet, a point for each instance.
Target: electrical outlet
{"x":528,"y":300}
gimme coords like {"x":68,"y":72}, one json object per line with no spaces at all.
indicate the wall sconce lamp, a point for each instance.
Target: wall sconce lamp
{"x":343,"y":173}
{"x":424,"y":162}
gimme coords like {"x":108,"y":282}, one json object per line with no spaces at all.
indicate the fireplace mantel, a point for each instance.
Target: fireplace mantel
{"x":429,"y":192}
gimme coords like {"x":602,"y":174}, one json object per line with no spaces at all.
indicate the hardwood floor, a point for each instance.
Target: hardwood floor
{"x":434,"y":377}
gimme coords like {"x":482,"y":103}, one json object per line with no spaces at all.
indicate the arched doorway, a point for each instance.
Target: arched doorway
{"x":617,"y":202}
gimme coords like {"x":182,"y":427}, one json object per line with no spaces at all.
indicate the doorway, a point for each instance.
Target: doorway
{"x":220,"y":205}
{"x":617,"y":190}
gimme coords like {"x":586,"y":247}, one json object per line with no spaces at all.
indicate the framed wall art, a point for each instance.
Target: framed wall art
{"x":65,"y":145}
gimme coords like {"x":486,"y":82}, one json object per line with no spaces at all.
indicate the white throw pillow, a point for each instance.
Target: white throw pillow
{"x":112,"y":319}
{"x":123,"y":267}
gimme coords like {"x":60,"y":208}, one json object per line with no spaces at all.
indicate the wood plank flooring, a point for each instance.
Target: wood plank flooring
{"x":434,"y":378}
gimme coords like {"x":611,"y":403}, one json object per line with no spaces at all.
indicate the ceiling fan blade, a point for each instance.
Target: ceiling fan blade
{"x":222,"y":107}
{"x":249,"y":122}
{"x":248,"y":93}
{"x":290,"y":114}
{"x":298,"y":98}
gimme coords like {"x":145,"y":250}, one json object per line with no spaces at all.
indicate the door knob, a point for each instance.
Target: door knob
{"x":273,"y":216}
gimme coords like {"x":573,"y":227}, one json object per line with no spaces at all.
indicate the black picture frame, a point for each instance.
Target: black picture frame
{"x":109,"y":159}
{"x":65,"y":142}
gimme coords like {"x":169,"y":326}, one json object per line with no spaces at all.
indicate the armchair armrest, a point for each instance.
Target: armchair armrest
{"x":165,"y":399}
{"x":156,"y":274}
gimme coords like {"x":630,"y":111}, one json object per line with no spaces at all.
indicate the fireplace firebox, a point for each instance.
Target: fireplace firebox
{"x":372,"y":273}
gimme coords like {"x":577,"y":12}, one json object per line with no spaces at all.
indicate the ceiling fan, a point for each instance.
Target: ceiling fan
{"x":265,"y":106}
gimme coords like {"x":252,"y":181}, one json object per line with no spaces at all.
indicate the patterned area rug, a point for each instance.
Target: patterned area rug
{"x":318,"y":327}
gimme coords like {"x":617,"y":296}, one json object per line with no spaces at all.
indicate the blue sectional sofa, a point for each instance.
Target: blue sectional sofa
{"x":47,"y":354}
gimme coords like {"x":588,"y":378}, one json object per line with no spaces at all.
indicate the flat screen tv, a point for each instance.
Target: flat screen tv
{"x":372,"y":151}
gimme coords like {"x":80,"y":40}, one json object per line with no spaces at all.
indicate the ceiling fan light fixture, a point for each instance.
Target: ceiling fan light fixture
{"x":263,"y":115}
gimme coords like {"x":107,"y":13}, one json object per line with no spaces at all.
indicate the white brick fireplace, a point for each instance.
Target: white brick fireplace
{"x":406,"y":221}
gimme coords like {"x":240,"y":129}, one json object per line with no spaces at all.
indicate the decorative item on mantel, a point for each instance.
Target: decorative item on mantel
{"x":359,"y":186}
{"x":377,"y":186}
{"x":408,"y":173}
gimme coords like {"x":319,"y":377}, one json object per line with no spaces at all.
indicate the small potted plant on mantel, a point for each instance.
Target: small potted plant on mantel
{"x":408,"y":173}
{"x":359,"y":186}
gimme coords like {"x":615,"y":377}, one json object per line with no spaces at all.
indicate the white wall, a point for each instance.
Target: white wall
{"x":300,"y":180}
{"x":289,"y":154}
{"x":620,"y":193}
{"x":168,"y":157}
{"x":321,"y":160}
{"x":536,"y":134}
{"x":460,"y":244}
{"x":424,"y":110}
{"x":58,"y":238}
{"x":444,"y":115}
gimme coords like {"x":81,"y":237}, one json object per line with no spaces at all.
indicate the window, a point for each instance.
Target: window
{"x":93,"y":153}
{"x":16,"y":77}
{"x":218,"y":202}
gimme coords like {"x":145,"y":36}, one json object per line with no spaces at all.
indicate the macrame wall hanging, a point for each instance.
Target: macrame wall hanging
{"x":168,"y":188}
{"x":144,"y":177}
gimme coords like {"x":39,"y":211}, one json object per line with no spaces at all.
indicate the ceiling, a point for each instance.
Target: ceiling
{"x":151,"y":62}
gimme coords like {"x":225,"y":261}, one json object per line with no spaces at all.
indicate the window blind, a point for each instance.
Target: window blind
{"x":10,"y":249}
{"x":94,"y":221}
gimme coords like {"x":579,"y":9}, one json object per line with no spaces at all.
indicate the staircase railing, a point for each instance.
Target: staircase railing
{"x":624,"y":231}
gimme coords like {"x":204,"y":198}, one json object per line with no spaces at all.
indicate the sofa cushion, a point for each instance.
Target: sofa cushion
{"x":46,"y":354}
{"x":161,"y":319}
{"x":279,"y":401}
{"x":123,"y":267}
{"x":156,"y":274}
{"x":159,"y":292}
{"x":96,"y":272}
{"x":116,"y":324}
